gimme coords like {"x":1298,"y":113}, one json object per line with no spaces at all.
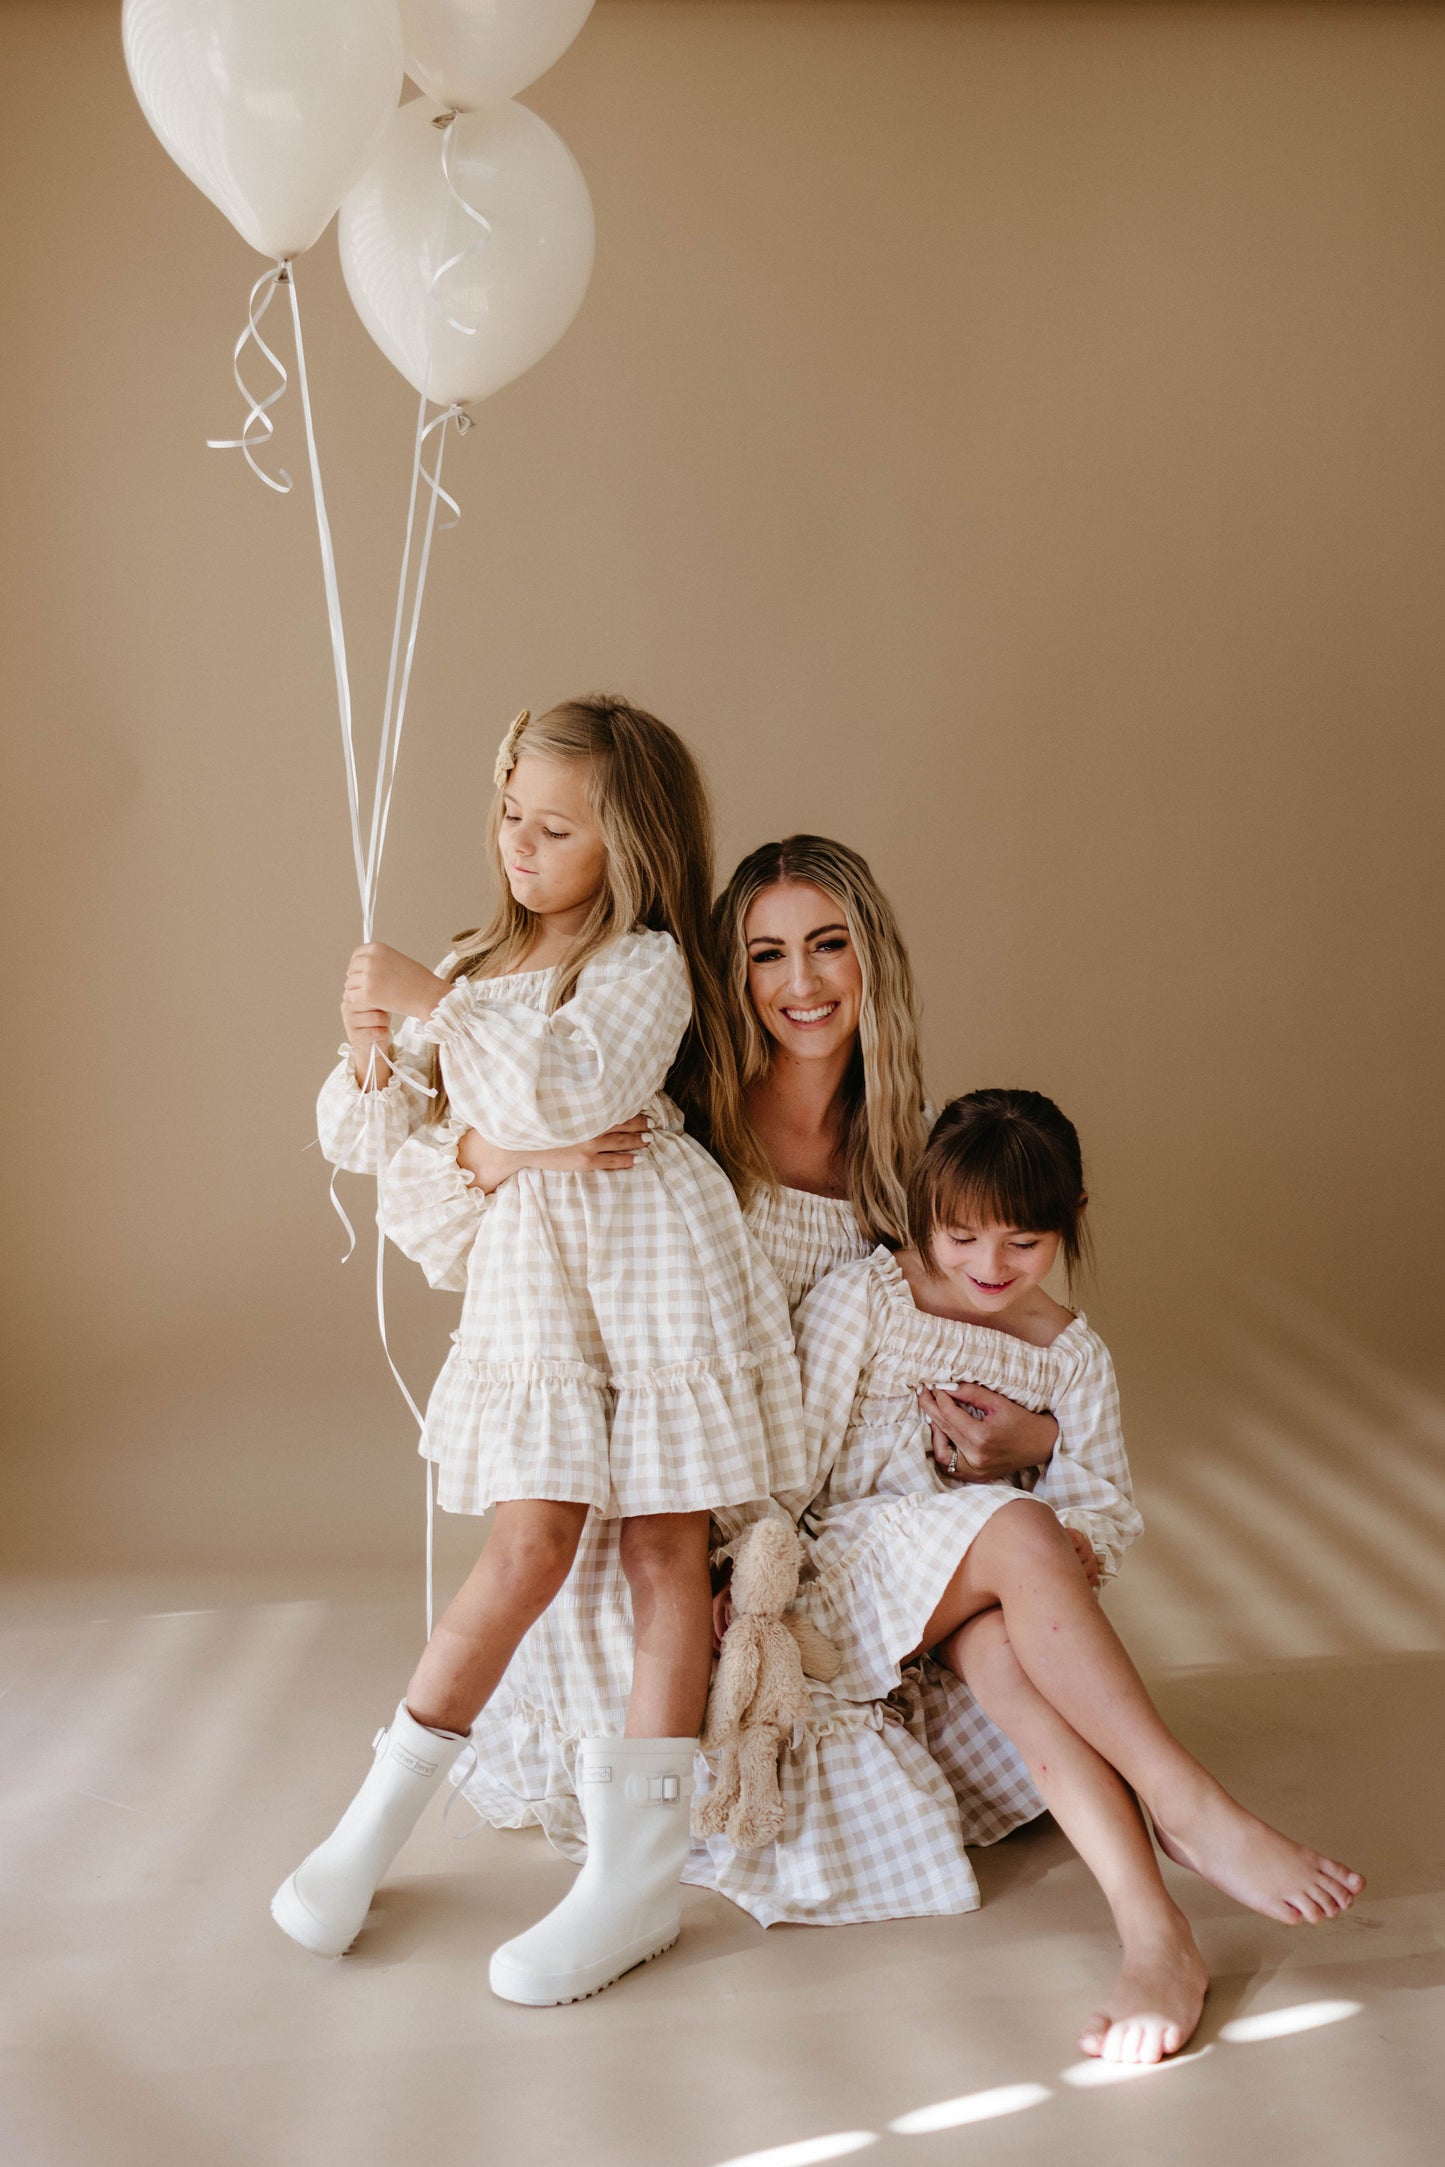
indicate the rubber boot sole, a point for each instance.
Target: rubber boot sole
{"x":543,"y":1997}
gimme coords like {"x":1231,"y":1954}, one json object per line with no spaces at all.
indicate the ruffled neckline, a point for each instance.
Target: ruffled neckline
{"x":1021,"y":1358}
{"x":807,"y":1205}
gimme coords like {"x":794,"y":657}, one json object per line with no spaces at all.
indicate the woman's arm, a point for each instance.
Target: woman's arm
{"x":611,"y":1153}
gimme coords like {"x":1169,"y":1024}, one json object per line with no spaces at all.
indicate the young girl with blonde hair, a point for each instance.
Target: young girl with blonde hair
{"x":623,"y":1348}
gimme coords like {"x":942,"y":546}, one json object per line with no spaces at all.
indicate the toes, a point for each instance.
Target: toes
{"x":1094,"y":2033}
{"x":1151,"y":2046}
{"x":1172,"y":2039}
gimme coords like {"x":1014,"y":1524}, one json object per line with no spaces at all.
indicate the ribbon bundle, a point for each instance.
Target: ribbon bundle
{"x":283,"y":111}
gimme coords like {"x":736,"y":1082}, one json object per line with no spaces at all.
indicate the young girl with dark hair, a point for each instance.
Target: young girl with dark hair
{"x":995,"y":1583}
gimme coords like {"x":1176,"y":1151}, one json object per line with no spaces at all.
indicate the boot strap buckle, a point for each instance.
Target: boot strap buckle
{"x":654,"y":1790}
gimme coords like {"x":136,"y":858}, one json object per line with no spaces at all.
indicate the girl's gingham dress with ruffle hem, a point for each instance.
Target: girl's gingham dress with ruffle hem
{"x":623,"y":1344}
{"x":572,"y":1673}
{"x":900,"y":1769}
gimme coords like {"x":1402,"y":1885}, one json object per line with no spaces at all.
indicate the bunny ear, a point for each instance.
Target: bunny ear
{"x":507,"y":750}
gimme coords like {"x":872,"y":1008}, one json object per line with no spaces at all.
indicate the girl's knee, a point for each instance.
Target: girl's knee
{"x":532,"y":1555}
{"x":664,"y":1545}
{"x":1027,"y":1527}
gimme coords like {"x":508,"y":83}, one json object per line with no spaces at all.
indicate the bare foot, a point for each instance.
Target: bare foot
{"x":1154,"y":2004}
{"x":1252,"y":1862}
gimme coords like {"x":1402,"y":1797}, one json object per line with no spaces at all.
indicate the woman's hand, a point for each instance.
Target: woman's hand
{"x":382,"y":979}
{"x":979,"y":1436}
{"x":612,"y":1153}
{"x":1084,"y":1551}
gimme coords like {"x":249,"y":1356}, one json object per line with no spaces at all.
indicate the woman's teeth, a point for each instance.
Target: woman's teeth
{"x":810,"y":1015}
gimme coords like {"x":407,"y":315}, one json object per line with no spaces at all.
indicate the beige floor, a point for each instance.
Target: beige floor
{"x":169,"y":1750}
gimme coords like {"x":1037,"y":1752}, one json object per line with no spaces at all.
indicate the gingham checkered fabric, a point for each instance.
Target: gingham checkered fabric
{"x":885,"y":1790}
{"x":623,"y":1342}
{"x":888,"y":1529}
{"x":571,"y":1676}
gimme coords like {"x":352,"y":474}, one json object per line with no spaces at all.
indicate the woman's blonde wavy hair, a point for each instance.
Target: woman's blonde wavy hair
{"x":652,"y":807}
{"x":884,"y":1128}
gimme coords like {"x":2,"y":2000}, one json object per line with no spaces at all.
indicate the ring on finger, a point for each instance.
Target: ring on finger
{"x":952,"y":1468}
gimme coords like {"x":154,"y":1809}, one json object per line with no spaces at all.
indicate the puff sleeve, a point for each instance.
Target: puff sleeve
{"x":1087,"y":1479}
{"x":429,"y":1208}
{"x":359,"y":1131}
{"x":529,"y":1081}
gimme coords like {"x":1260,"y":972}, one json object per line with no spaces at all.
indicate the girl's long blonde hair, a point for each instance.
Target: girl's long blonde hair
{"x":652,"y":808}
{"x":883,"y":1122}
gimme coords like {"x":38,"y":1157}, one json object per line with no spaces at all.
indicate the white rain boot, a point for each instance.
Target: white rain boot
{"x":322,"y":1905}
{"x":623,"y":1907}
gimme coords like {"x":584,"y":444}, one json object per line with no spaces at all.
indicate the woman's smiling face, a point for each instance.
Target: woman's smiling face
{"x":804,"y":976}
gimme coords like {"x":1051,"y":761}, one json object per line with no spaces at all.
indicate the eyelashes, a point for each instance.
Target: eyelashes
{"x":553,"y":835}
{"x":775,"y":955}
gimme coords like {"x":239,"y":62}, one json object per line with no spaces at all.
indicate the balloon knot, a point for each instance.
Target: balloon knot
{"x":465,"y":423}
{"x":443,"y":120}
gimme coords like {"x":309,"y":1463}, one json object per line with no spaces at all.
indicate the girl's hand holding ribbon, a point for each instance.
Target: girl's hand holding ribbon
{"x":379,"y":977}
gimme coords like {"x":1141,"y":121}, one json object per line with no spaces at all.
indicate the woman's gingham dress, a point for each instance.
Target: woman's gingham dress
{"x":622,"y":1342}
{"x":900,"y":1768}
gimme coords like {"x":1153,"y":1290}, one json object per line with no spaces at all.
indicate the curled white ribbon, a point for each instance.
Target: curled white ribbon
{"x":258,"y":411}
{"x":447,"y":123}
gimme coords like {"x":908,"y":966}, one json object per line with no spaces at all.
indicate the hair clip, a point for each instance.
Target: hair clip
{"x":507,"y":750}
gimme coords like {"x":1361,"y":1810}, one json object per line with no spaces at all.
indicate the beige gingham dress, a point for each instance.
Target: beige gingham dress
{"x":623,"y":1342}
{"x":900,"y":1769}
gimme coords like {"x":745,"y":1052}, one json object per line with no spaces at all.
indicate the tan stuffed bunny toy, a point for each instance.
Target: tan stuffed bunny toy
{"x":758,"y":1695}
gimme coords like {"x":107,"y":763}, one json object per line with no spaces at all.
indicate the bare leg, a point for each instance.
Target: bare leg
{"x":1022,"y":1561}
{"x":527,"y":1557}
{"x":1156,"y":2000}
{"x":664,"y":1555}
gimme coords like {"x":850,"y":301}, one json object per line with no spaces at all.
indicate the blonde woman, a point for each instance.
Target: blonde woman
{"x":623,"y":1349}
{"x":821,"y":998}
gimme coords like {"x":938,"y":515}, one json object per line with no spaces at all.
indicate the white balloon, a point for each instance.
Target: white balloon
{"x":520,"y":277}
{"x":272,"y":107}
{"x":467,"y":53}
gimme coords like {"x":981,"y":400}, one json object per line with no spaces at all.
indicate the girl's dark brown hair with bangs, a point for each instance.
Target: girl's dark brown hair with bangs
{"x":1003,"y":1158}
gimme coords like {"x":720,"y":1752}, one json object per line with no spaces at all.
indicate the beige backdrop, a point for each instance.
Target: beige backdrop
{"x":1009,"y":438}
